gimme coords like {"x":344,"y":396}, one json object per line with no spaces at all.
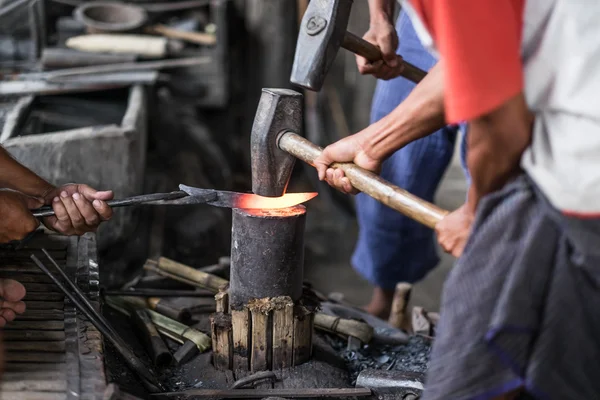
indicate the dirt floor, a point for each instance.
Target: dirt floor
{"x":328,"y":266}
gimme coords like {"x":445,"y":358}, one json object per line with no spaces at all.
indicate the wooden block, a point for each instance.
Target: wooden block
{"x":283,"y":333}
{"x":398,"y":315}
{"x":240,"y":321}
{"x":261,"y":336}
{"x":303,"y":331}
{"x":222,"y":341}
{"x":222,"y":299}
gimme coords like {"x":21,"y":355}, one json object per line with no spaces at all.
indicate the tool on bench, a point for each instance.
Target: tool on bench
{"x":275,"y":145}
{"x":322,"y":32}
{"x":190,"y":195}
{"x":82,"y":304}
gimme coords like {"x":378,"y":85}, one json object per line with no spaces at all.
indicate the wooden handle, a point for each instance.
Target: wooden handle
{"x":372,"y":53}
{"x":367,"y":182}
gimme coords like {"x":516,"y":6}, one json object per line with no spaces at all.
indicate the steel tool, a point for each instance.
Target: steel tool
{"x":392,"y":385}
{"x":276,"y":144}
{"x":322,"y":32}
{"x":190,"y":195}
{"x":82,"y":304}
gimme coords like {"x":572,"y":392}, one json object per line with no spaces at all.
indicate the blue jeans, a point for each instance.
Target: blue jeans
{"x":391,"y":247}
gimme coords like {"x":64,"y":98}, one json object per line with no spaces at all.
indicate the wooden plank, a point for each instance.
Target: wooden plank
{"x":283,"y":334}
{"x":303,"y":331}
{"x":35,"y":325}
{"x":43,"y":346}
{"x":222,"y":341}
{"x":41,"y":315}
{"x":261,"y":335}
{"x":37,"y":385}
{"x":33,"y":375}
{"x":222,"y":300}
{"x":41,"y":287}
{"x":39,"y":357}
{"x":17,"y":336}
{"x":34,"y":367}
{"x":261,"y":393}
{"x":240,"y":320}
{"x":34,"y":396}
{"x":41,"y":296}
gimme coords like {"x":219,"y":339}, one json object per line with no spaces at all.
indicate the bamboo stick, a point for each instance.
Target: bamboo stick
{"x":186,"y":274}
{"x":345,"y":327}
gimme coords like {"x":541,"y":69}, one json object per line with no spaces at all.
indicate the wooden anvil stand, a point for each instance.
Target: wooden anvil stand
{"x":264,"y":321}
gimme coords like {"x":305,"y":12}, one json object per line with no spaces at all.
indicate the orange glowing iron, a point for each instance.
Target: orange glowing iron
{"x":221,"y":198}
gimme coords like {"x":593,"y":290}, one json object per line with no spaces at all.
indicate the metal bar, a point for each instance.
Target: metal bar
{"x":48,"y":211}
{"x":159,"y":293}
{"x":134,"y":363}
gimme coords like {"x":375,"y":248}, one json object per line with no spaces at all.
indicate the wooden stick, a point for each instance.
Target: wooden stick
{"x":222,"y":299}
{"x":283,"y":333}
{"x":345,"y":327}
{"x":192,"y":37}
{"x":222,"y":341}
{"x":303,"y":333}
{"x":261,"y":336}
{"x":240,"y":321}
{"x":398,"y":316}
{"x":373,"y":185}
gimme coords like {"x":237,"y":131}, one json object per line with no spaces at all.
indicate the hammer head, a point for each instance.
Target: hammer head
{"x":321,"y":34}
{"x":278,"y":110}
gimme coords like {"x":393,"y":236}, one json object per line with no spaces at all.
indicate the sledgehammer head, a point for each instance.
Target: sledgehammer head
{"x":321,"y":34}
{"x":278,"y":110}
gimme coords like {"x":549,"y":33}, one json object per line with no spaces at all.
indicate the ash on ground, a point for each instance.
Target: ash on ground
{"x":413,"y":356}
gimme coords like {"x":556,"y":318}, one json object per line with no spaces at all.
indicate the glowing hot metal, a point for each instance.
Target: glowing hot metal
{"x":244,"y":200}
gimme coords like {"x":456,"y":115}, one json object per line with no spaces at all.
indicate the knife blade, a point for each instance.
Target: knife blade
{"x":245,"y":200}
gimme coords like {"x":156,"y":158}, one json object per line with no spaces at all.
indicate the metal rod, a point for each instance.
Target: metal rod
{"x":134,"y":363}
{"x":129,"y":201}
{"x":158,"y":293}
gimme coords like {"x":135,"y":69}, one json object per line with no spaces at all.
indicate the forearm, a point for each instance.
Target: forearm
{"x":496,"y":143}
{"x":381,"y":9}
{"x":16,"y":176}
{"x":419,"y":115}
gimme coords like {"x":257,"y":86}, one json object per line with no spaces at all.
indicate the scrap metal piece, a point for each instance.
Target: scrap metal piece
{"x":392,"y":384}
{"x":186,"y":352}
{"x":252,"y":379}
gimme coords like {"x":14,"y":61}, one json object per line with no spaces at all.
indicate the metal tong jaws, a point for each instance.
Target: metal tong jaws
{"x":83,"y":305}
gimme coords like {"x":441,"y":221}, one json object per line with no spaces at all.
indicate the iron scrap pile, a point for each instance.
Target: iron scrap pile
{"x":413,"y":356}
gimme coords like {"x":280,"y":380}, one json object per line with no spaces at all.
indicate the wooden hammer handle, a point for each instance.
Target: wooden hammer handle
{"x":367,"y":182}
{"x":372,"y":53}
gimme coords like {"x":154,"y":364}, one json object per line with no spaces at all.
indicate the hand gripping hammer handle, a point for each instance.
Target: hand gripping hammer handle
{"x":367,"y":182}
{"x":372,"y":53}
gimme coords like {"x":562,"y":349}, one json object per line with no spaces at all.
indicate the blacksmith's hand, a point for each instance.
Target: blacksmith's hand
{"x":78,"y":208}
{"x":453,"y":231}
{"x":382,"y":34}
{"x":348,"y":149}
{"x":11,"y":304}
{"x":16,"y":221}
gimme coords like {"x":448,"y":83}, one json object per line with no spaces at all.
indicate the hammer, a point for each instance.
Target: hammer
{"x":322,"y":31}
{"x":276,"y":143}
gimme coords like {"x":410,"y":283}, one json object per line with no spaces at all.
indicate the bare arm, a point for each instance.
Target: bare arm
{"x":14,"y":175}
{"x":419,"y":115}
{"x":496,"y":143}
{"x":381,"y":9}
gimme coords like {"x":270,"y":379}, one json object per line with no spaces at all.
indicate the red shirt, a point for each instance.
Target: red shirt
{"x":480,"y":42}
